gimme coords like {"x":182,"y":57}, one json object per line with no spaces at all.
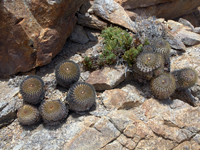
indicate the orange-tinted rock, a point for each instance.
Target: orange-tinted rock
{"x":33,"y":32}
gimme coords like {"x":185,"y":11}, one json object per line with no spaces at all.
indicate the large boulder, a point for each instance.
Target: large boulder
{"x":168,"y":9}
{"x":33,"y":32}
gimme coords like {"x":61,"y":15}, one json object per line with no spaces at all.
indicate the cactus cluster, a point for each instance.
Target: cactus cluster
{"x":81,"y":96}
{"x":32,"y":91}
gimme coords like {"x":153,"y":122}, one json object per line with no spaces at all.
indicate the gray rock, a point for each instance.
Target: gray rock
{"x":186,"y":23}
{"x":91,"y":35}
{"x":8,"y":107}
{"x":107,"y":78}
{"x":189,"y":38}
{"x":78,"y":35}
{"x":94,"y":138}
{"x":125,"y":98}
{"x":91,"y":21}
{"x":39,"y":137}
{"x":84,"y":8}
{"x":113,"y":146}
{"x":197,"y":30}
{"x":111,"y":11}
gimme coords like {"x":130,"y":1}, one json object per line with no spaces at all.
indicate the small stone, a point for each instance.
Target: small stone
{"x":113,"y":146}
{"x":89,"y":121}
{"x":130,"y":130}
{"x":107,"y":78}
{"x":186,"y":23}
{"x":79,"y":35}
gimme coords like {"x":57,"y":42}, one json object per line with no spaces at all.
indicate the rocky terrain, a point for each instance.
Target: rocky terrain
{"x":125,"y":116}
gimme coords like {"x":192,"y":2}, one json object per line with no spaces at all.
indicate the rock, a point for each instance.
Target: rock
{"x":111,"y":11}
{"x":126,"y":122}
{"x":197,"y":30}
{"x":114,"y":99}
{"x":113,"y":146}
{"x":85,"y":75}
{"x":94,"y":138}
{"x":79,"y":35}
{"x":84,"y":8}
{"x":193,"y":18}
{"x":186,"y":23}
{"x":156,"y":143}
{"x":183,"y":33}
{"x":189,"y":38}
{"x":174,"y":41}
{"x":89,"y":121}
{"x":77,"y":58}
{"x":160,"y":8}
{"x":39,"y":137}
{"x":33,"y":32}
{"x":91,"y":21}
{"x":107,"y":78}
{"x":91,"y":35}
{"x":168,"y":123}
{"x":127,"y":142}
{"x":8,"y":106}
{"x":121,"y":99}
{"x":188,"y":59}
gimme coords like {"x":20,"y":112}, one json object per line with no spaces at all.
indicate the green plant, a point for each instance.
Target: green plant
{"x":88,"y":62}
{"x":28,"y":115}
{"x":116,"y":37}
{"x":81,"y":97}
{"x":67,"y":72}
{"x":32,"y":89}
{"x":131,"y":54}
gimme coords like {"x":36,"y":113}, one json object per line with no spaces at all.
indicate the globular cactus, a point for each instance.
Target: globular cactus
{"x":163,"y":47}
{"x":148,"y":61}
{"x":53,"y":112}
{"x":28,"y":115}
{"x":163,"y":86}
{"x":186,"y":78}
{"x":147,"y":48}
{"x":32,"y":89}
{"x":67,"y":73}
{"x":81,"y":97}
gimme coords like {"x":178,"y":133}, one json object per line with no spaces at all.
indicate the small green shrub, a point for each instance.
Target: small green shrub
{"x":131,"y":54}
{"x":88,"y":62}
{"x":118,"y":45}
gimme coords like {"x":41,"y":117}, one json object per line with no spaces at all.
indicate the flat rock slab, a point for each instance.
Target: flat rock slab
{"x":107,"y":78}
{"x":121,"y":99}
{"x":94,"y":138}
{"x":8,"y":106}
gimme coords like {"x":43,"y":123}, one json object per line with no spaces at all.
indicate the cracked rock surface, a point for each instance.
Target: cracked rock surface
{"x":125,"y":117}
